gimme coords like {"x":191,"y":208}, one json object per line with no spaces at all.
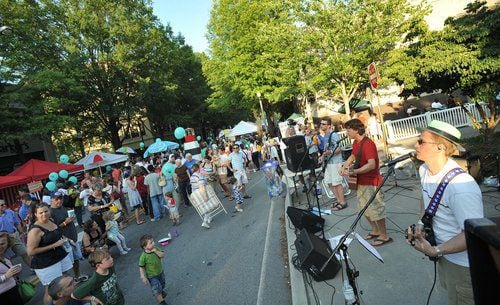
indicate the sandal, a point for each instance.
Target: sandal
{"x":338,"y":206}
{"x":380,"y":242}
{"x":370,"y":236}
{"x":140,"y":222}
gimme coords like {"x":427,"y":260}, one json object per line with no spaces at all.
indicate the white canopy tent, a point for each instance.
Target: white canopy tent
{"x":97,"y":159}
{"x":243,"y":128}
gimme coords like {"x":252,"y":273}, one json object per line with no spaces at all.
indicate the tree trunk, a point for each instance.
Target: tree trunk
{"x":115,"y":136}
{"x":345,"y":99}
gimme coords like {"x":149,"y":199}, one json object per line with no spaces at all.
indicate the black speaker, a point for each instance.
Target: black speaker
{"x":304,"y":219}
{"x":483,"y":246}
{"x":313,"y":252}
{"x":295,"y":151}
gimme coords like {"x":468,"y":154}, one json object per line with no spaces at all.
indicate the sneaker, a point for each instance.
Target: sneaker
{"x":205,"y":225}
{"x":124,"y":253}
{"x":152,"y":220}
{"x":127,"y":249}
{"x":163,"y":294}
{"x":209,"y":219}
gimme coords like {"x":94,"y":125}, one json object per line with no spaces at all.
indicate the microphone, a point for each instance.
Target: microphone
{"x":399,"y":159}
{"x":342,"y":139}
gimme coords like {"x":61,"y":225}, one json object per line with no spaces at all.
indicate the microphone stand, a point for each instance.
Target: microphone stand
{"x":396,"y":180}
{"x":314,"y":185}
{"x":342,"y":246}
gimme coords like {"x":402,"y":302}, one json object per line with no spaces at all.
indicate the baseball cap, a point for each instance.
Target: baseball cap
{"x":56,"y":195}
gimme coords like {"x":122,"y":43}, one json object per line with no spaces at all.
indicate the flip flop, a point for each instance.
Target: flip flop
{"x":381,"y":242}
{"x":140,"y":222}
{"x":338,"y":206}
{"x":370,"y":236}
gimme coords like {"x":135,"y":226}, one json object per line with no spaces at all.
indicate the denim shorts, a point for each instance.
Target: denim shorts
{"x":157,"y":283}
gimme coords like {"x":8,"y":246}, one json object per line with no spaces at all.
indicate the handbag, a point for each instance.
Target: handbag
{"x":27,"y":290}
{"x":162,"y":181}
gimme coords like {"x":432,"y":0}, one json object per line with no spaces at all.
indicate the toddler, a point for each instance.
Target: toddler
{"x":113,"y":232}
{"x":237,"y":193}
{"x":151,"y":268}
{"x":172,"y":208}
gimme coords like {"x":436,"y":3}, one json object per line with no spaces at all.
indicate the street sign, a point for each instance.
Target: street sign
{"x":373,"y":75}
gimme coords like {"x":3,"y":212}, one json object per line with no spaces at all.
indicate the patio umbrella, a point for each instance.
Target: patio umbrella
{"x":126,"y":150}
{"x":160,"y":146}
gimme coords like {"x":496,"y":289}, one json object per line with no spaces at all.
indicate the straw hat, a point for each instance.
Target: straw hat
{"x":446,"y":131}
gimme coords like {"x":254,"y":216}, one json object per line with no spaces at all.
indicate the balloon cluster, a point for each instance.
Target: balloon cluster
{"x":54,"y":177}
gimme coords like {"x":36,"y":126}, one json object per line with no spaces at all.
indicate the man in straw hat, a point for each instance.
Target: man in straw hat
{"x":460,"y":200}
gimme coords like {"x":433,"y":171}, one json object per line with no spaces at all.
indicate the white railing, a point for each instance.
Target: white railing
{"x":409,"y":127}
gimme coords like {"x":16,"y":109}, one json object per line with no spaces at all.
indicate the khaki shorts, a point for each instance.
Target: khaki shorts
{"x":376,"y":210}
{"x":332,"y":174}
{"x":457,"y":282}
{"x":223,"y":179}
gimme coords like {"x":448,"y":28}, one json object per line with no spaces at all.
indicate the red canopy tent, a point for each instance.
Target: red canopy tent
{"x":37,"y":169}
{"x":8,"y":181}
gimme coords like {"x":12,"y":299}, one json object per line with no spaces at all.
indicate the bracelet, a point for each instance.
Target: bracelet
{"x":3,"y":278}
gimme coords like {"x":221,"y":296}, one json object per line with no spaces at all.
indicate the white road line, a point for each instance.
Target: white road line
{"x":263,"y":270}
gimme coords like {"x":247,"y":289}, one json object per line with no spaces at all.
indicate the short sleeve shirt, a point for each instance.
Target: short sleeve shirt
{"x":336,"y":158}
{"x":151,"y":263}
{"x":8,"y":221}
{"x":151,"y":181}
{"x":369,"y":151}
{"x":237,"y":160}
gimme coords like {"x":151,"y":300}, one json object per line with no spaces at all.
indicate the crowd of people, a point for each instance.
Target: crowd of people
{"x":44,"y":232}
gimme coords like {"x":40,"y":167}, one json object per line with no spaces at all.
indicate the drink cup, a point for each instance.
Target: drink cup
{"x":71,"y":213}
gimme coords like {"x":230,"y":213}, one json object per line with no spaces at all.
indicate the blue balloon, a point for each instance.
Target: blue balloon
{"x":198,"y":138}
{"x":64,"y":159}
{"x":142,"y":144}
{"x":53,"y":176}
{"x":63,"y":174}
{"x":73,"y":179}
{"x":51,"y":186}
{"x":108,"y":168}
{"x":179,"y":133}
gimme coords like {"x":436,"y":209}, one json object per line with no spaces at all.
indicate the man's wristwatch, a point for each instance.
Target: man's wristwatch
{"x":438,"y":252}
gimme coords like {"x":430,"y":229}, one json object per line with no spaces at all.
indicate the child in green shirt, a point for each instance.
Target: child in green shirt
{"x":151,"y":268}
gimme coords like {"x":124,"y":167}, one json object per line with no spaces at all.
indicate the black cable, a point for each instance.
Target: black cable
{"x":333,"y":293}
{"x":433,"y":283}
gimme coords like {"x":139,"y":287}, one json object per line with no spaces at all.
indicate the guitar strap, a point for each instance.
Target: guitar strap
{"x":358,"y":155}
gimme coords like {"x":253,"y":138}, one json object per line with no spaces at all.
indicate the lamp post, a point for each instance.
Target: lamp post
{"x":79,"y":138}
{"x":263,"y":114}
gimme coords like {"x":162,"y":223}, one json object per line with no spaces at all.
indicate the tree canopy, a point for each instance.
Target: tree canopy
{"x":284,"y":48}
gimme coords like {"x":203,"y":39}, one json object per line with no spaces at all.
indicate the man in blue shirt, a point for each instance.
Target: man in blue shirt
{"x":189,"y":162}
{"x":237,"y":166}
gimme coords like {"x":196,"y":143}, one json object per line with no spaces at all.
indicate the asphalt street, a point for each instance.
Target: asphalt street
{"x":237,"y":261}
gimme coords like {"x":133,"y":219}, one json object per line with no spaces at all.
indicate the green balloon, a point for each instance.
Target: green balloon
{"x":73,"y":179}
{"x":51,"y":186}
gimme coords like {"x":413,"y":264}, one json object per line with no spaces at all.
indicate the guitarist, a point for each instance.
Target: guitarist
{"x":460,"y":200}
{"x":364,"y":163}
{"x":332,"y":176}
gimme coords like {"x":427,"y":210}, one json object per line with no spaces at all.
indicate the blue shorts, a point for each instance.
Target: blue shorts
{"x":157,"y":283}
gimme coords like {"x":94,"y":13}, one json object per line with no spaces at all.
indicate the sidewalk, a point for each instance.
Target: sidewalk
{"x":406,"y":276}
